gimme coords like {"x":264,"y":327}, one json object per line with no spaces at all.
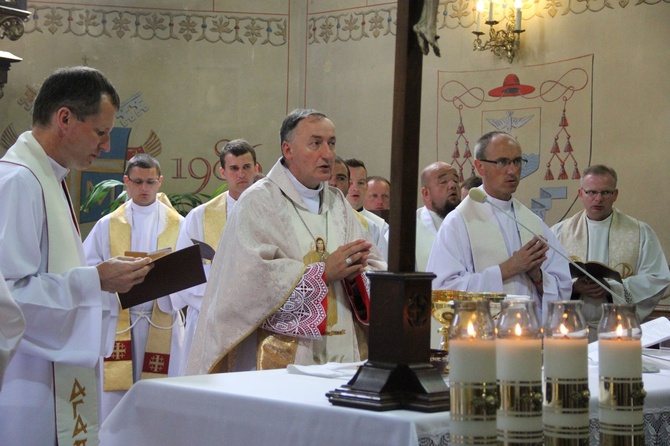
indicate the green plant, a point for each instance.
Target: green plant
{"x":182,"y":202}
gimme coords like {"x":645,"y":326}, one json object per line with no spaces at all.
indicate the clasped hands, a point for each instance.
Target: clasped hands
{"x":337,"y":265}
{"x":527,"y":260}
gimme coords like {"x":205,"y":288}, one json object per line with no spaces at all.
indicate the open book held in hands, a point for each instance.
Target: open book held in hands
{"x":172,"y":272}
{"x":598,"y":270}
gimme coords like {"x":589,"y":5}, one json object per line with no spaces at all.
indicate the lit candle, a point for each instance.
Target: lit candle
{"x":565,"y":412}
{"x":480,"y":10}
{"x":490,"y":11}
{"x":472,"y":374}
{"x":518,"y":4}
{"x":472,"y":362}
{"x":519,"y":373}
{"x":621,"y":397}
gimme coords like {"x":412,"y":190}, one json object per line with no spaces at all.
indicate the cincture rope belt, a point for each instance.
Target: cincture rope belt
{"x":178,"y":322}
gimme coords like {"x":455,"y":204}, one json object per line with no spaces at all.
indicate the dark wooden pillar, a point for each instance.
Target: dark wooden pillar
{"x":398,"y":373}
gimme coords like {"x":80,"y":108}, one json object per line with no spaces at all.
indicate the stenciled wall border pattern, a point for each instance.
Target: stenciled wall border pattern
{"x":355,"y":25}
{"x":158,"y":25}
{"x":352,"y":25}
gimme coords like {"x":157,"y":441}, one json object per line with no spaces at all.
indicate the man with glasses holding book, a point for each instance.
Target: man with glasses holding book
{"x":604,"y":234}
{"x":149,"y":336}
{"x":481,"y":248}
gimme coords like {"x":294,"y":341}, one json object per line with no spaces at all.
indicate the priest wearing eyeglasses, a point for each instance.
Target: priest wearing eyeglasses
{"x":481,"y":248}
{"x":604,"y":234}
{"x":149,"y":336}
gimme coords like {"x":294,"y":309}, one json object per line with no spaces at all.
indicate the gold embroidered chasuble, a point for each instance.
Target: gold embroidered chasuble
{"x":118,"y":368}
{"x":265,"y":239}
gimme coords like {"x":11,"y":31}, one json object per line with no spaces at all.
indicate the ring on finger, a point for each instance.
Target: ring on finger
{"x":348,"y":260}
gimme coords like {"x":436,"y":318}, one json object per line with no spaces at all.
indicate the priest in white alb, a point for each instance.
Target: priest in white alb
{"x":70,"y":309}
{"x":480,"y":248}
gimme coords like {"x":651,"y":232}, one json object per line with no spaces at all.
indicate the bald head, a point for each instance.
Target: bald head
{"x":440,"y":188}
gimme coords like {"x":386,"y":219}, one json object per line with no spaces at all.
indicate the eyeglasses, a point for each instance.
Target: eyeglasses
{"x":603,"y":193}
{"x":501,"y":163}
{"x":148,"y":182}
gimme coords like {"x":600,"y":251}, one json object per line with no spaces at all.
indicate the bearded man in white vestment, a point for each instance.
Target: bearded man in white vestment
{"x":480,"y":248}
{"x":152,"y":331}
{"x":440,"y":194}
{"x":604,"y":234}
{"x":69,"y":308}
{"x":206,"y":222}
{"x":287,"y":284}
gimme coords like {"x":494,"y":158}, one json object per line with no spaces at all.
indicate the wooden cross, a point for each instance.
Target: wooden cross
{"x":398,"y":373}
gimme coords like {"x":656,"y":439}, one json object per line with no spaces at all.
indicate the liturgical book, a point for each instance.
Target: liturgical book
{"x":172,"y":272}
{"x":598,"y":270}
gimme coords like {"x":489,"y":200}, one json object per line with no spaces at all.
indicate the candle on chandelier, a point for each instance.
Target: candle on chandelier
{"x":490,"y":11}
{"x":480,"y":10}
{"x":518,"y":4}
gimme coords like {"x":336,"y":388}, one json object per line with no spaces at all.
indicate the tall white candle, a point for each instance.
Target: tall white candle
{"x":472,"y":360}
{"x":519,"y":359}
{"x":490,"y":11}
{"x":566,"y":358}
{"x":620,"y":358}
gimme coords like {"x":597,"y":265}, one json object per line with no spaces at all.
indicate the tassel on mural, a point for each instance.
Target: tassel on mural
{"x":575,"y":173}
{"x":548,"y":176}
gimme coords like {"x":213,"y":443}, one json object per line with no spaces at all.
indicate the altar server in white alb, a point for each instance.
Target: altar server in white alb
{"x":70,"y":309}
{"x":149,"y":336}
{"x":480,"y":248}
{"x":287,"y":284}
{"x":205,"y":223}
{"x":604,"y":234}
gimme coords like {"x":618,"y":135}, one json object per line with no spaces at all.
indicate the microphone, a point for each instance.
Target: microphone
{"x":479,"y":196}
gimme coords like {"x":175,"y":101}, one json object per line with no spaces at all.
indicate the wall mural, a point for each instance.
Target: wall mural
{"x":538,"y":111}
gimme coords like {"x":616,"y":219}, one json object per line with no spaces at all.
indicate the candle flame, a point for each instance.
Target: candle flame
{"x":563,"y":330}
{"x":517,"y":330}
{"x":480,"y":6}
{"x":619,"y":330}
{"x":471,"y":330}
{"x":518,"y":4}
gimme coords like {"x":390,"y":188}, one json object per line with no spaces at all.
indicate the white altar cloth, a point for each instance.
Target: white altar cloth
{"x":278,"y":408}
